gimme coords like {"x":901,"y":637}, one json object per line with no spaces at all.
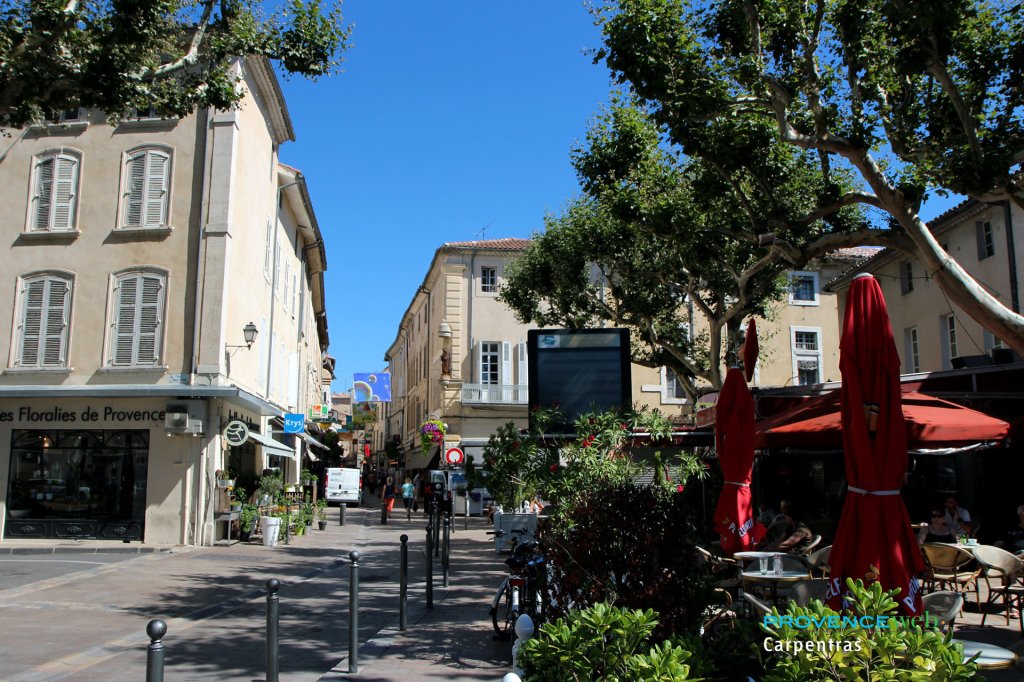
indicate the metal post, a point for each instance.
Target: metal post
{"x":437,"y":528}
{"x":429,"y":569}
{"x":273,"y":585}
{"x":156,"y":629}
{"x":446,"y":549}
{"x":341,"y":513}
{"x":403,"y":583}
{"x":383,"y":512}
{"x":353,"y":612}
{"x":287,"y":523}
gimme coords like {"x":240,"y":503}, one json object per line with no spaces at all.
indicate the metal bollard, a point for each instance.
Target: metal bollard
{"x":341,"y":513}
{"x":156,"y":629}
{"x":353,"y":613}
{"x":273,"y":667}
{"x":446,"y":549}
{"x":437,"y":529}
{"x":429,"y":569}
{"x":403,"y":583}
{"x":383,"y":513}
{"x":287,"y":525}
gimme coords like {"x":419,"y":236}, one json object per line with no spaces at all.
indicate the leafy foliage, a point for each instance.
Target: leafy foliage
{"x":172,"y":55}
{"x":896,"y":653}
{"x":603,"y":643}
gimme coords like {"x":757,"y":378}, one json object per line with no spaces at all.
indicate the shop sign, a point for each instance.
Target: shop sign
{"x":106,"y":413}
{"x":294,"y":422}
{"x":236,"y":432}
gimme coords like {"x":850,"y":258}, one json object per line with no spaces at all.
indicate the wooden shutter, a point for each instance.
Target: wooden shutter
{"x":43,"y":197}
{"x":150,"y":324}
{"x":33,"y":296}
{"x":56,"y":320}
{"x":524,"y":374}
{"x":44,"y":323}
{"x":157,"y":166}
{"x":126,"y":295}
{"x":65,"y":185}
{"x":134,"y":191}
{"x":506,"y":363}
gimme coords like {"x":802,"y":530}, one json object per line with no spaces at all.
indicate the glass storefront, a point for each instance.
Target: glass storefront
{"x":76,"y":483}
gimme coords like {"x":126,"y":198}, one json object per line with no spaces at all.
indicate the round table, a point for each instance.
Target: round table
{"x":773,"y":579}
{"x":991,"y":657}
{"x":756,"y":555}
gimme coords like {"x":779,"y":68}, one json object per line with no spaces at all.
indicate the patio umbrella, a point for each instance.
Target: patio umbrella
{"x":734,"y":440}
{"x":874,"y":540}
{"x":750,"y":350}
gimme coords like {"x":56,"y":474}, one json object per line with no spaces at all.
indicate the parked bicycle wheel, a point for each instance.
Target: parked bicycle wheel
{"x":503,"y":615}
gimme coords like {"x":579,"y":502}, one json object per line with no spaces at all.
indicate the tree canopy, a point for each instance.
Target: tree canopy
{"x":904,"y":97}
{"x":170,"y":55}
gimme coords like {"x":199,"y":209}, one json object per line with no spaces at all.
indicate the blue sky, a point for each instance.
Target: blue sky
{"x":450,"y":117}
{"x":452,"y":121}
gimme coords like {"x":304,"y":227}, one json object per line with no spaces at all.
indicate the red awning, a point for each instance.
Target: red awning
{"x":931,"y":423}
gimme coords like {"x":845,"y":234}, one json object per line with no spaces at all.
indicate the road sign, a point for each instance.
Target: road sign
{"x":454,"y":456}
{"x":236,"y":432}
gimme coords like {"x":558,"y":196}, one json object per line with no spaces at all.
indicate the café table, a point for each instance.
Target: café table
{"x":773,"y":579}
{"x":991,"y":657}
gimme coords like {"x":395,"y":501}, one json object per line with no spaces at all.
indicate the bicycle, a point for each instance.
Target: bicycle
{"x":522,"y":590}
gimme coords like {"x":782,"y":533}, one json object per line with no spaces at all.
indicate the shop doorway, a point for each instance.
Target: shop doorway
{"x":77,"y":484}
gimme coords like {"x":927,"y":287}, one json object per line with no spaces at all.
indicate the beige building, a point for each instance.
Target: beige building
{"x":931,"y":332}
{"x":163,"y":280}
{"x":461,"y":355}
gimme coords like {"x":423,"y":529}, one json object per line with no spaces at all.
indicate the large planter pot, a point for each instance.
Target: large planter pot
{"x":323,"y":525}
{"x":271,"y":530}
{"x":243,"y":535}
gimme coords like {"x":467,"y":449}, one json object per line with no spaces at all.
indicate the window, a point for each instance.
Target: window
{"x":490,"y":356}
{"x":54,"y":191}
{"x":146,"y":193}
{"x":803,"y":288}
{"x":991,"y":341}
{"x":268,"y":255}
{"x":673,"y":386}
{"x":986,"y":242}
{"x":137,"y":325}
{"x":488,"y":280}
{"x":912,"y":356}
{"x":43,"y":321}
{"x":906,"y":277}
{"x":806,"y":350}
{"x":949,"y":329}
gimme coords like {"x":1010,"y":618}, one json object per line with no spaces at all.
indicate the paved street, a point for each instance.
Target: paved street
{"x":89,"y":624}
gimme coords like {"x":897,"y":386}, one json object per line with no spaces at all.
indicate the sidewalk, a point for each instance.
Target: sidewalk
{"x":90,"y":625}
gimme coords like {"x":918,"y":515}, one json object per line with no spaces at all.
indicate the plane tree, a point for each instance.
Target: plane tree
{"x":170,"y":55}
{"x":904,"y":97}
{"x":658,"y":243}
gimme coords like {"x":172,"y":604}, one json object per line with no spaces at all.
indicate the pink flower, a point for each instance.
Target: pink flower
{"x":679,"y":488}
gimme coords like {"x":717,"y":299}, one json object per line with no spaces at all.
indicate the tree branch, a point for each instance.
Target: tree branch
{"x":190,"y":57}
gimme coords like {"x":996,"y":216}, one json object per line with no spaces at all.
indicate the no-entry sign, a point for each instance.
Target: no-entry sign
{"x":454,"y":456}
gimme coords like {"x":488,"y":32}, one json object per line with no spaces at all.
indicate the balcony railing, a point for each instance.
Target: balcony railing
{"x":495,"y":394}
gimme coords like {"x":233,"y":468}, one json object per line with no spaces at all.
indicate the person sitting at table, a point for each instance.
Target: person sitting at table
{"x":957,"y":518}
{"x":797,"y":537}
{"x":936,"y":530}
{"x":1013,"y":541}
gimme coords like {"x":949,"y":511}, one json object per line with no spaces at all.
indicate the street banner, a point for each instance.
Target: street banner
{"x":371,"y":387}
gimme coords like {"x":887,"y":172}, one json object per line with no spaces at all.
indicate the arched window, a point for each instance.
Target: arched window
{"x":54,"y":203}
{"x":44,"y":320}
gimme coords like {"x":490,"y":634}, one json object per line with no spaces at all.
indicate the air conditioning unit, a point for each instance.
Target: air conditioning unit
{"x":185,"y":417}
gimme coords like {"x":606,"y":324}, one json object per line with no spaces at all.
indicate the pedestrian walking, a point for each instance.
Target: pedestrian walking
{"x":388,"y":498}
{"x":408,"y":494}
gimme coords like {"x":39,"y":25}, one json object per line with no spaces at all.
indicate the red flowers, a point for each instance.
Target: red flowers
{"x":554,"y":468}
{"x":587,"y":442}
{"x":680,"y":488}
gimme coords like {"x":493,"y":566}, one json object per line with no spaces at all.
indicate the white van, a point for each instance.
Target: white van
{"x":344,"y":486}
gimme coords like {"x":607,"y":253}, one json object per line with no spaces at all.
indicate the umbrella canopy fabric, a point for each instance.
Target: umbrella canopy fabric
{"x":874,"y":540}
{"x":750,"y":350}
{"x":930,"y":424}
{"x":734,"y":440}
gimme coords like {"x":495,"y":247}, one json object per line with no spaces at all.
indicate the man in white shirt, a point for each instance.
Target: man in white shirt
{"x":957,"y":518}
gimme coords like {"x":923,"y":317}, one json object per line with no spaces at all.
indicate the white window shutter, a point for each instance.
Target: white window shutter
{"x":524,"y":372}
{"x":31,"y":326}
{"x":134,"y":191}
{"x":66,"y":181}
{"x":150,"y":322}
{"x":506,"y":363}
{"x":157,"y":177}
{"x":126,"y":295}
{"x":54,"y":336}
{"x":43,"y":197}
{"x":477,"y":359}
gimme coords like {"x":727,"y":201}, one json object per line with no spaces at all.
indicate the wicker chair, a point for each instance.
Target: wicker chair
{"x":944,"y":605}
{"x":759,"y":607}
{"x":1007,"y":570}
{"x":947,"y":566}
{"x":815,"y":541}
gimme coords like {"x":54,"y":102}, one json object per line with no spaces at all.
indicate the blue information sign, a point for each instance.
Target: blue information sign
{"x":294,"y":423}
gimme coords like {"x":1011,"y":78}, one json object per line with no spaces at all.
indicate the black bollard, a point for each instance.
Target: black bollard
{"x":273,"y":585}
{"x":403,"y":583}
{"x":437,"y":529}
{"x":353,"y":613}
{"x":446,"y":548}
{"x":429,"y":568}
{"x":383,"y":512}
{"x":156,"y":629}
{"x":341,"y":513}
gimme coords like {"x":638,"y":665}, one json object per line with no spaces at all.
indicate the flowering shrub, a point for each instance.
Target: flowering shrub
{"x":432,"y":433}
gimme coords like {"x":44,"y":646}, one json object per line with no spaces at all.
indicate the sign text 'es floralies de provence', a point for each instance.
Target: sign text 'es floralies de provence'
{"x":88,"y":414}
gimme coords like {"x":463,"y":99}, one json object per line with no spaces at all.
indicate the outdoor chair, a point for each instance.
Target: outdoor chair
{"x":724,"y":569}
{"x":1006,"y":570}
{"x":815,"y":541}
{"x":818,"y":560}
{"x":719,"y":614}
{"x":760,"y":608}
{"x":947,"y":566}
{"x":944,"y":605}
{"x":803,"y":593}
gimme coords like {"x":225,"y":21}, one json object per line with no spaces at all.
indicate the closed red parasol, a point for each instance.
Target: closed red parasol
{"x":874,"y":539}
{"x":734,"y":440}
{"x":750,"y":350}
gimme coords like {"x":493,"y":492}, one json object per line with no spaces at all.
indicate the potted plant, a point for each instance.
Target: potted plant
{"x":224,"y":478}
{"x":308,"y":477}
{"x":237,"y":496}
{"x":321,"y":513}
{"x":246,"y":518}
{"x":269,"y":488}
{"x":307,"y":515}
